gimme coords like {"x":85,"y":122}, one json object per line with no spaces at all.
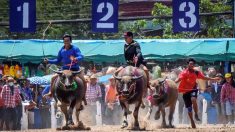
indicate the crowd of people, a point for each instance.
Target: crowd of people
{"x":220,"y":96}
{"x":15,"y":92}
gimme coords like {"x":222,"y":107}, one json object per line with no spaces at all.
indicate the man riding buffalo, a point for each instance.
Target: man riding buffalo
{"x":132,"y":80}
{"x":133,"y":54}
{"x":69,"y":55}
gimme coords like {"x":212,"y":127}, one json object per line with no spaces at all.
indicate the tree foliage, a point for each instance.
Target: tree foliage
{"x":214,"y":26}
{"x":211,"y":26}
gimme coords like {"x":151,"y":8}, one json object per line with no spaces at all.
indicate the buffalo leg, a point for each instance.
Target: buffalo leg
{"x":135,"y":114}
{"x":126,"y":109}
{"x":70,"y":112}
{"x":170,"y":118}
{"x":163,"y":116}
{"x":150,"y":109}
{"x":80,"y":125}
{"x":65,"y":111}
{"x":157,"y":114}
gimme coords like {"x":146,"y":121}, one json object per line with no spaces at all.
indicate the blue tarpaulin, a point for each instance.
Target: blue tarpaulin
{"x":112,"y":50}
{"x":104,"y":79}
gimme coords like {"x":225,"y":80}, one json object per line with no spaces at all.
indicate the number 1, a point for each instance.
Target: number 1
{"x":25,"y":14}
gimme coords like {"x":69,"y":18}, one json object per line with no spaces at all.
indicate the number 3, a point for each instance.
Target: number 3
{"x":102,"y":22}
{"x":190,"y":14}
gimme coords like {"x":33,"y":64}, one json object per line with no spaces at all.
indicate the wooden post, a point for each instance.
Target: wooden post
{"x":53,"y":118}
{"x":24,"y":118}
{"x":204,"y":112}
{"x":176,"y":114}
{"x":99,"y":114}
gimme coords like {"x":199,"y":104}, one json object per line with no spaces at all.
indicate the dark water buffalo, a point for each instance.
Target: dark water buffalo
{"x":131,"y":86}
{"x":158,"y":98}
{"x":69,"y":93}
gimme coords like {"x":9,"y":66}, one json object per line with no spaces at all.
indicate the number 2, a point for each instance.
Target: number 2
{"x":102,"y":22}
{"x":190,"y":14}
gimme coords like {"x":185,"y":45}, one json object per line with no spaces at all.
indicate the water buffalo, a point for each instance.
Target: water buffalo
{"x":69,"y":92}
{"x":164,"y":94}
{"x":131,"y":86}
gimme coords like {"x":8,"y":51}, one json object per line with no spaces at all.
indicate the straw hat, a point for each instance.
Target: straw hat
{"x":219,"y":75}
{"x":93,"y":76}
{"x":111,"y":78}
{"x":9,"y":79}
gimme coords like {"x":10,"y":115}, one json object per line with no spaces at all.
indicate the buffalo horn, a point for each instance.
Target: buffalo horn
{"x":76,"y":72}
{"x":58,"y":72}
{"x":137,"y":77}
{"x":116,"y":77}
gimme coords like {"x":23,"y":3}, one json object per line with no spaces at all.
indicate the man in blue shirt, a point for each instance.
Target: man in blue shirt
{"x":69,"y":55}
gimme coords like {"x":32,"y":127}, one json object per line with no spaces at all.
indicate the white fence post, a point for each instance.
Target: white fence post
{"x":99,"y":114}
{"x":185,"y":118}
{"x":204,"y":112}
{"x":24,"y":119}
{"x":53,"y":118}
{"x":176,"y":114}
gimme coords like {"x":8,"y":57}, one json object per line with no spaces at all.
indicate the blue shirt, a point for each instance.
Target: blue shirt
{"x":46,"y":90}
{"x":28,"y":94}
{"x":64,"y":57}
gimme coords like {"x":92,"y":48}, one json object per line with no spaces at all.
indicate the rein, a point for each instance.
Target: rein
{"x":74,"y":85}
{"x":130,"y":90}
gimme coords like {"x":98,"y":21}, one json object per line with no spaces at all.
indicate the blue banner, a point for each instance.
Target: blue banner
{"x":22,"y":15}
{"x":105,"y":15}
{"x":186,"y":15}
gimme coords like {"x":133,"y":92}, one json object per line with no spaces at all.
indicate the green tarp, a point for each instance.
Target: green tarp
{"x":112,"y":50}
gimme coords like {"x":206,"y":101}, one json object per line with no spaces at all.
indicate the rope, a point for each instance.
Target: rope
{"x":10,"y":55}
{"x":43,"y":37}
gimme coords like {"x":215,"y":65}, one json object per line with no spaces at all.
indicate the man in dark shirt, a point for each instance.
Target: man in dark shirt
{"x":132,"y":51}
{"x":133,"y":54}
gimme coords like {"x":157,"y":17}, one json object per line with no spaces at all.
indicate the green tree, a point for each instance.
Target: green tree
{"x":211,"y":26}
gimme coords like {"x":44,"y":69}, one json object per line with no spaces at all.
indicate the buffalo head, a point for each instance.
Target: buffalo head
{"x":66,"y":77}
{"x":157,"y":86}
{"x":126,"y":84}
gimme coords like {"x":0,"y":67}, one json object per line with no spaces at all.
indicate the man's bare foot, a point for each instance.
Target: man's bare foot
{"x":196,"y":117}
{"x":49,"y":95}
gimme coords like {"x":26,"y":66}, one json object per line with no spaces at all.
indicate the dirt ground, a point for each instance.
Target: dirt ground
{"x":88,"y":115}
{"x":155,"y":127}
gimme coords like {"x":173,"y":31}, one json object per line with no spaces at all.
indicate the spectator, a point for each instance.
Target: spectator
{"x":215,"y":94}
{"x":10,"y":94}
{"x":103,"y":91}
{"x":28,"y":95}
{"x":27,"y":92}
{"x":228,"y":97}
{"x":18,"y":109}
{"x":43,"y":105}
{"x":211,"y":112}
{"x":93,"y":94}
{"x":1,"y":106}
{"x":113,"y":110}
